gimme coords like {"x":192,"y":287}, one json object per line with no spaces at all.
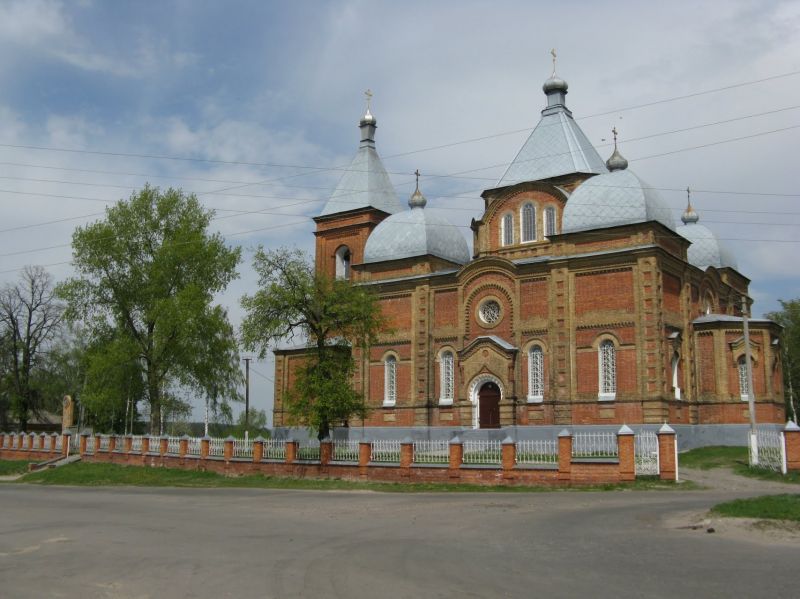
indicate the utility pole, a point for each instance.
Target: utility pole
{"x":246,"y":396}
{"x":751,"y":404}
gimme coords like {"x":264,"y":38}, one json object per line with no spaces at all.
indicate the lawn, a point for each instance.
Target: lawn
{"x":735,"y":458}
{"x":88,"y":474}
{"x":9,"y":467}
{"x":777,"y":507}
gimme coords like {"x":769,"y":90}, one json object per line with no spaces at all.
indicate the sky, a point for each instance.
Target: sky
{"x":254,"y":107}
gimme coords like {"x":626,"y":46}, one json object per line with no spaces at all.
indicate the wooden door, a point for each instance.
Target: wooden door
{"x":489,"y":401}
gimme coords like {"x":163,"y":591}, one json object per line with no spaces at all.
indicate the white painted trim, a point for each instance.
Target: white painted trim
{"x":606,"y":396}
{"x":474,"y":389}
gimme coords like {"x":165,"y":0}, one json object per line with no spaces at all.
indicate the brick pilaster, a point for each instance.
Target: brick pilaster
{"x":627,"y":458}
{"x":145,"y":445}
{"x":258,"y":449}
{"x":205,"y":446}
{"x":667,"y":459}
{"x":509,"y":457}
{"x":112,"y":443}
{"x":65,"y":442}
{"x":291,"y":451}
{"x":564,"y":455}
{"x":53,"y":441}
{"x":791,"y":435}
{"x":164,"y":446}
{"x":227,"y":448}
{"x":456,"y":457}
{"x":82,"y":443}
{"x":42,"y":441}
{"x":184,"y":446}
{"x":325,"y":451}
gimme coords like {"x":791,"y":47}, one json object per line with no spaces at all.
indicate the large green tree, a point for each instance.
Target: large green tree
{"x":789,"y":318}
{"x":149,"y":272}
{"x":331,"y":317}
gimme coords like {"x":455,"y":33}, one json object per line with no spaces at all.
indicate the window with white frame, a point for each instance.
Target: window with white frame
{"x":744,"y":386}
{"x":507,"y":229}
{"x":390,"y":381}
{"x":446,"y":377}
{"x":528,"y":219}
{"x":607,"y":357}
{"x":343,"y":262}
{"x":549,"y":221}
{"x":676,"y":383}
{"x":535,"y":374}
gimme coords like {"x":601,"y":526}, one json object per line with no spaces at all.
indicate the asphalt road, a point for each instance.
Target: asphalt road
{"x":133,"y":542}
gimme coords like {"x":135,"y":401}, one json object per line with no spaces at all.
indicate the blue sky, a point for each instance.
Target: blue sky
{"x":268,"y":83}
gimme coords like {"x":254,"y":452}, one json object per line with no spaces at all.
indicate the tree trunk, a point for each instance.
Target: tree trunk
{"x":154,"y":397}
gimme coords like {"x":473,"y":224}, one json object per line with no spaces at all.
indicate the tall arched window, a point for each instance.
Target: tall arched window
{"x":607,"y":357}
{"x":535,"y":374}
{"x":507,"y":229}
{"x":389,"y":381}
{"x":676,"y":383}
{"x":446,"y":377}
{"x":549,"y":221}
{"x":744,"y":387}
{"x":343,"y":262}
{"x":528,"y":218}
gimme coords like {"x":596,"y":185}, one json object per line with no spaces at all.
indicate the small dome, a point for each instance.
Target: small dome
{"x":612,"y":199}
{"x":416,"y":232}
{"x":554,"y":84}
{"x":367,"y":119}
{"x":706,"y":250}
{"x":616,"y":162}
{"x":689,"y":216}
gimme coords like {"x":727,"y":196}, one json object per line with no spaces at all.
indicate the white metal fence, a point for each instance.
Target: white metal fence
{"x":136,"y":443}
{"x":768,"y":449}
{"x":274,"y":449}
{"x":174,"y":445}
{"x":594,"y":445}
{"x":645,"y":451}
{"x":431,"y":452}
{"x":308,"y":450}
{"x":155,"y":445}
{"x":193,"y":447}
{"x":537,"y":451}
{"x":345,"y":451}
{"x":216,"y":447}
{"x":386,"y":450}
{"x":104,"y":443}
{"x":482,"y":451}
{"x":242,"y":448}
{"x":90,"y":444}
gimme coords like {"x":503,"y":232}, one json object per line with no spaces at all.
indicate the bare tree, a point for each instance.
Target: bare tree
{"x":30,"y":316}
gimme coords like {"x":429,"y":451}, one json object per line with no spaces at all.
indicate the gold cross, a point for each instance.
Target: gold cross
{"x":368,"y":95}
{"x":416,"y":172}
{"x":553,"y":54}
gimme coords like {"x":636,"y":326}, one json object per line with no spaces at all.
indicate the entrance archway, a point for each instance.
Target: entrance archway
{"x":489,"y":405}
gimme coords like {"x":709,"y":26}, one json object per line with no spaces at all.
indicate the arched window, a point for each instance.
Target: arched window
{"x":535,"y":374}
{"x":446,"y":377}
{"x":343,"y":262}
{"x":607,"y":357}
{"x":507,"y":229}
{"x":744,"y":387}
{"x":708,"y":303}
{"x":528,"y":218}
{"x":676,"y":383}
{"x":389,"y":381}
{"x":549,"y":221}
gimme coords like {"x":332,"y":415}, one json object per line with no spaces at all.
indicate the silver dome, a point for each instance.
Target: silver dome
{"x":416,"y":232}
{"x":612,"y":199}
{"x":554,"y":84}
{"x":706,"y":250}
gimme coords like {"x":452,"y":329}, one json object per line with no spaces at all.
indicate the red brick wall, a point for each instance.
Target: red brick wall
{"x":534,"y":299}
{"x":672,"y":292}
{"x":445,"y":309}
{"x":705,"y":353}
{"x":398,"y":314}
{"x":604,"y":291}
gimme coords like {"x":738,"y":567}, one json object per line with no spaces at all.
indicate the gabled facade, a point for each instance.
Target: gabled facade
{"x":580,"y":303}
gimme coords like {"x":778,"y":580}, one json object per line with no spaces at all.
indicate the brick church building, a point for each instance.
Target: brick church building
{"x":581,"y":302}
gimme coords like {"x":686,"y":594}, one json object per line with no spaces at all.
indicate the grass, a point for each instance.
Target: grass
{"x":10,"y":467}
{"x":87,"y":474}
{"x":736,"y":458}
{"x":773,"y":507}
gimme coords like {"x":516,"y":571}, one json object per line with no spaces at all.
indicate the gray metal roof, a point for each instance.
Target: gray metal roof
{"x":706,"y":250}
{"x":557,"y":146}
{"x":706,"y":318}
{"x":616,"y":198}
{"x":365,"y":183}
{"x":416,"y":232}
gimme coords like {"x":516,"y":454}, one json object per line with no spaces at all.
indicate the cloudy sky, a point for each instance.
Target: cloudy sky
{"x":254,"y":107}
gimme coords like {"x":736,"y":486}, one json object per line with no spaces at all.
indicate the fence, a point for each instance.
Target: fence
{"x":594,"y":445}
{"x":173,"y":445}
{"x":386,"y":450}
{"x":308,"y":450}
{"x":136,"y":443}
{"x":537,"y":452}
{"x":482,"y":452}
{"x":345,"y":451}
{"x":242,"y":448}
{"x":216,"y":447}
{"x":274,"y":449}
{"x":431,"y":452}
{"x":645,"y":452}
{"x":768,"y":449}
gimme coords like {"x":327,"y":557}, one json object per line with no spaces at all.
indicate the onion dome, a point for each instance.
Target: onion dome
{"x":555,"y":84}
{"x":415,"y":233}
{"x":706,"y":250}
{"x":616,"y":162}
{"x":365,"y":183}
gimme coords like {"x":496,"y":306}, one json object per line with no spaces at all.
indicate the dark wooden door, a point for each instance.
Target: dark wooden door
{"x":489,"y":400}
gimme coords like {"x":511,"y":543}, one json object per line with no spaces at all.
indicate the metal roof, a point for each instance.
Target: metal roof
{"x":706,"y":318}
{"x":706,"y":250}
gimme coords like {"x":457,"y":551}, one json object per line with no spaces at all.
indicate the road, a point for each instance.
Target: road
{"x":136,"y":542}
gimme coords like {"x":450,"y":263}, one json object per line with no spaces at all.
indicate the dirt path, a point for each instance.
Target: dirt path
{"x":725,"y":479}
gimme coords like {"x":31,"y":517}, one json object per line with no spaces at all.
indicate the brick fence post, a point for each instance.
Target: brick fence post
{"x":32,"y":442}
{"x":20,"y":440}
{"x":258,"y":449}
{"x":97,"y":439}
{"x":83,"y":443}
{"x":325,"y":451}
{"x":364,"y":457}
{"x":456,"y":457}
{"x":205,"y":445}
{"x":406,"y":456}
{"x":164,"y":445}
{"x":509,"y":457}
{"x":564,"y":455}
{"x":183,"y":446}
{"x":227,"y":448}
{"x":53,"y":441}
{"x":24,"y":443}
{"x":3,"y":440}
{"x":112,"y":443}
{"x":626,"y":453}
{"x":42,"y":442}
{"x":65,"y":436}
{"x":291,"y":451}
{"x":145,"y":445}
{"x":667,"y":453}
{"x":127,"y":444}
{"x":791,"y":437}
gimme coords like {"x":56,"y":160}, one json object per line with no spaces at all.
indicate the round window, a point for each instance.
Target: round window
{"x":490,"y":311}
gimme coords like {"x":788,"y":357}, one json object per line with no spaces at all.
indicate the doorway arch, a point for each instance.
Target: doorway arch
{"x":485,"y":393}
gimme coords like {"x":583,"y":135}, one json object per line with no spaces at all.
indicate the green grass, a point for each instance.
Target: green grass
{"x":9,"y":467}
{"x":87,"y":474}
{"x":774,"y":507}
{"x":705,"y":458}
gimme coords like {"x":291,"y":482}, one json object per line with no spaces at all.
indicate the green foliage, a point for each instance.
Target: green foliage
{"x":331,"y":316}
{"x":256,"y":425}
{"x":789,"y":318}
{"x":11,"y":467}
{"x":146,"y":279}
{"x":777,"y":507}
{"x":705,"y":458}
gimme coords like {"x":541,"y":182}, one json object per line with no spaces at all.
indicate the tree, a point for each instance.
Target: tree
{"x":789,"y":319}
{"x":149,"y":273}
{"x":30,"y":317}
{"x":331,"y":316}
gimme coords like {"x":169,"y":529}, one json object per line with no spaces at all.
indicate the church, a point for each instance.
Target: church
{"x":582,"y":301}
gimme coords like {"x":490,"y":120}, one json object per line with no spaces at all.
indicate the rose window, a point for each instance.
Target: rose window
{"x":490,"y":312}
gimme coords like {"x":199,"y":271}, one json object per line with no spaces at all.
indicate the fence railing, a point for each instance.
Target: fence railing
{"x":308,"y":450}
{"x":434,"y":451}
{"x":537,"y":451}
{"x":386,"y":450}
{"x":90,"y":444}
{"x":105,"y":440}
{"x":242,"y":448}
{"x":482,"y":451}
{"x":768,"y":450}
{"x":193,"y":447}
{"x":136,"y":443}
{"x":216,"y":447}
{"x":345,"y":451}
{"x":173,"y":445}
{"x":594,"y":445}
{"x":645,"y":452}
{"x":274,"y":449}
